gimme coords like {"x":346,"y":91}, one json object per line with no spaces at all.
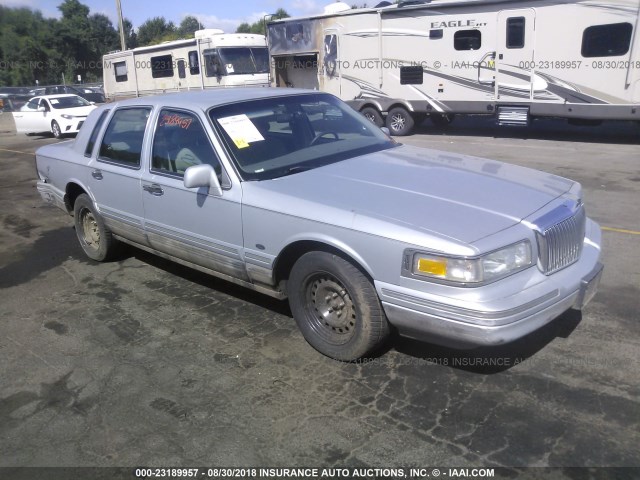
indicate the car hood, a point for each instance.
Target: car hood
{"x":407,"y":193}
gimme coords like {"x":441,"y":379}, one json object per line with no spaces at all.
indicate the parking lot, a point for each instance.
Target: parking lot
{"x":144,"y":362}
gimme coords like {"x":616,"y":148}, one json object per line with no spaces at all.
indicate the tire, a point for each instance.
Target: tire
{"x":336,"y":307}
{"x":95,"y":238}
{"x":441,"y":120}
{"x":55,"y":129}
{"x":399,"y":122}
{"x":373,"y":116}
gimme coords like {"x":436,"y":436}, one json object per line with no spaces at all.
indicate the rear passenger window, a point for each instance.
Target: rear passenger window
{"x":606,"y":40}
{"x":122,"y":142}
{"x":94,"y":134}
{"x":180,"y":141}
{"x":467,"y":40}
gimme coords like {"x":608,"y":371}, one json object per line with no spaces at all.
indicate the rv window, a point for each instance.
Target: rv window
{"x":295,"y":32}
{"x":181,"y":69}
{"x":194,"y":65}
{"x":94,"y":134}
{"x":436,"y":34}
{"x":162,"y":66}
{"x":467,"y":40}
{"x":515,"y":32}
{"x":606,"y":40}
{"x":120,"y":69}
{"x":411,"y":75}
{"x":122,"y":142}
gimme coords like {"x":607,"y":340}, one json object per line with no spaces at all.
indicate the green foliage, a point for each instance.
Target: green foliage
{"x":188,"y":27}
{"x":259,"y":26}
{"x":156,"y":30}
{"x":36,"y":48}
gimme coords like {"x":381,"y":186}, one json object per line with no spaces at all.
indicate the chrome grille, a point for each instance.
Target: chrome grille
{"x":560,"y":245}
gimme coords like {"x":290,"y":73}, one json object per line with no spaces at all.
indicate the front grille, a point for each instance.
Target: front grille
{"x":561,"y":244}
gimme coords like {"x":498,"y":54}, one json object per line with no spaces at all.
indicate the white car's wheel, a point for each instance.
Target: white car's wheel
{"x":55,"y":129}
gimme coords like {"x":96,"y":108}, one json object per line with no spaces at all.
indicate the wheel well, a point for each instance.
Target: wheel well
{"x":291,"y":253}
{"x":73,"y":191}
{"x":370,"y":105}
{"x":401,"y":105}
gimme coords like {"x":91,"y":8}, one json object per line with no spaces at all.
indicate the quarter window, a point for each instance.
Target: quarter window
{"x":162,"y":66}
{"x":94,"y":134}
{"x":606,"y":40}
{"x":122,"y":142}
{"x":180,"y":142}
{"x":120,"y":69}
{"x":515,"y":32}
{"x":467,"y":40}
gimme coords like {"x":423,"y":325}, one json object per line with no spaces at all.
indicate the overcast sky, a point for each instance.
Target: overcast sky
{"x":226,"y":15}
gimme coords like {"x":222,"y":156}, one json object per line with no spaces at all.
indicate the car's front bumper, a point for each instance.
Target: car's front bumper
{"x":487,"y":319}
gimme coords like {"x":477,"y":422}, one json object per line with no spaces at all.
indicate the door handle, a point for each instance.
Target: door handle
{"x":153,"y":189}
{"x":97,"y":174}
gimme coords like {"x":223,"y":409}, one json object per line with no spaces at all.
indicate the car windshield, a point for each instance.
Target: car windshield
{"x":279,"y":136}
{"x":68,"y":102}
{"x":244,"y":60}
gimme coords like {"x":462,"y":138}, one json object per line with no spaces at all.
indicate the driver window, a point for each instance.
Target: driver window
{"x":180,"y":141}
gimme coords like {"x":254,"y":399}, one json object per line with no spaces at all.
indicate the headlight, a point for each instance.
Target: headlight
{"x":68,"y":117}
{"x":479,"y":270}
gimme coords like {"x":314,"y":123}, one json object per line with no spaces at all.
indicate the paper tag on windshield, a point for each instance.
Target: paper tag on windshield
{"x":230,"y":68}
{"x":241,"y":130}
{"x":54,"y":101}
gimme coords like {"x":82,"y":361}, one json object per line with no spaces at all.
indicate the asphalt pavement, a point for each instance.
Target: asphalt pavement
{"x":144,"y":362}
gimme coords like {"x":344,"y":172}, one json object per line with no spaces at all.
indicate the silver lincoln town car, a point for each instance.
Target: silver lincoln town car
{"x":294,"y":194}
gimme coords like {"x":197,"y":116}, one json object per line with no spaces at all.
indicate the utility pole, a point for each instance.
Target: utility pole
{"x":123,"y":45}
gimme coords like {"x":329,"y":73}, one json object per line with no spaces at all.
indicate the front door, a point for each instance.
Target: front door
{"x":188,"y":223}
{"x":514,"y":59}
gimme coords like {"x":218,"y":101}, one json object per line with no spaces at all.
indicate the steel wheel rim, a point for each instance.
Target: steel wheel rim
{"x":370,"y":117}
{"x":90,"y":229}
{"x":397,"y":122}
{"x":330,"y":309}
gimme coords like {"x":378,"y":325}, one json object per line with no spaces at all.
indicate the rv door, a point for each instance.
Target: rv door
{"x":514,"y":60}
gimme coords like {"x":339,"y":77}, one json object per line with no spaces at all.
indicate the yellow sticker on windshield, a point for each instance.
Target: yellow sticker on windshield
{"x":240,"y":142}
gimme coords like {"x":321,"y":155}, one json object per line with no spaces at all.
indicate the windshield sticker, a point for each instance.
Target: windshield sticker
{"x":54,"y":101}
{"x":230,"y":68}
{"x":175,"y":119}
{"x":241,"y":130}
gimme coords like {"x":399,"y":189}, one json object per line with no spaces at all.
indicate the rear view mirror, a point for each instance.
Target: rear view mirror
{"x":203,"y":175}
{"x":42,"y":109}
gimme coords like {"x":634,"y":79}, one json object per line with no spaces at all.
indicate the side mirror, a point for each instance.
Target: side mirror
{"x":203,"y":175}
{"x":42,"y":109}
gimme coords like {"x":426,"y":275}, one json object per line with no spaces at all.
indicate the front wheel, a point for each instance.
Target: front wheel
{"x":336,"y":307}
{"x":95,"y":238}
{"x":55,"y":129}
{"x":399,"y":121}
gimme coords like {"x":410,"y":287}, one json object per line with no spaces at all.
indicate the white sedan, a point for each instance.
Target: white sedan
{"x":58,"y":114}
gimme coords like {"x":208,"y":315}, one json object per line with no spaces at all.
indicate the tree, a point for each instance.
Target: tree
{"x":260,"y":26}
{"x":188,"y":26}
{"x":156,"y":30}
{"x":130,"y":37}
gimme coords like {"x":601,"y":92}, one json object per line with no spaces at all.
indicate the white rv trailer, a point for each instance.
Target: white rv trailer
{"x":512,"y":59}
{"x":212,"y":59}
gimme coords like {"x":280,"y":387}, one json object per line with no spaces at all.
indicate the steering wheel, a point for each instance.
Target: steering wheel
{"x":322,"y":134}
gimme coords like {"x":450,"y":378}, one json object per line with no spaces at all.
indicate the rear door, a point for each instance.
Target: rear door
{"x":114,"y":173}
{"x":515,"y":55}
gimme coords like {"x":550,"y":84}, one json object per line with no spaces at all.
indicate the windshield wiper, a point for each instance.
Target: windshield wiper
{"x":292,"y":170}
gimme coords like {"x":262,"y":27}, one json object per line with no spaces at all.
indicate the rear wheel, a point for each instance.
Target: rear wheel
{"x":373,"y":116}
{"x":399,"y":121}
{"x":95,"y":238}
{"x":336,"y":307}
{"x":55,"y":129}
